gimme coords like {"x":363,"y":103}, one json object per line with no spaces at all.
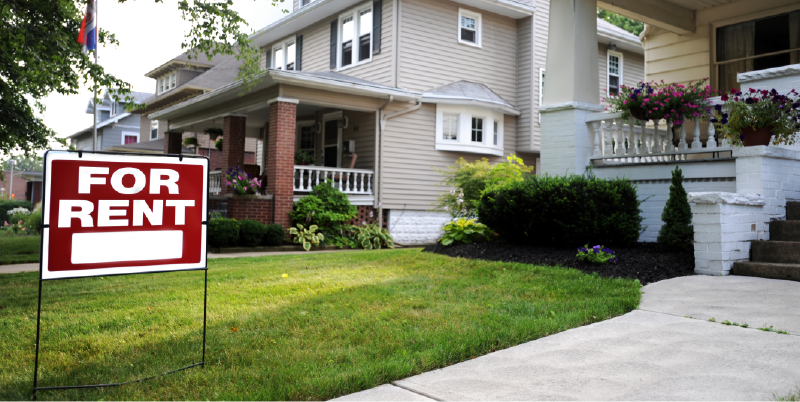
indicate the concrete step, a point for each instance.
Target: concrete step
{"x":784,"y":230}
{"x":789,"y":272}
{"x":780,"y":252}
{"x":793,"y":211}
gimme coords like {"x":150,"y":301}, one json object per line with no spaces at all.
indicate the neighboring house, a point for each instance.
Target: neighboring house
{"x":27,"y":186}
{"x":115,"y":125}
{"x":382,"y":93}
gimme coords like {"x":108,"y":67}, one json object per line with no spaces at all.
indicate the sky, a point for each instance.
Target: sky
{"x":150,"y":34}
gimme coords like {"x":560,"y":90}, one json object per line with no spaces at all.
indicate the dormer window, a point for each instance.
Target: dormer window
{"x":284,"y":55}
{"x":469,"y":29}
{"x":167,"y":82}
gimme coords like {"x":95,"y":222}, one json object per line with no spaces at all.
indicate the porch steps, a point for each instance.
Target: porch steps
{"x":778,"y":258}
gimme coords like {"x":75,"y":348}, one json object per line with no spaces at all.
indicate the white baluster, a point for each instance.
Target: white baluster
{"x":656,"y":147}
{"x":596,"y":126}
{"x":369,"y":184}
{"x":696,"y":144}
{"x":712,"y":141}
{"x":619,"y":137}
{"x":340,"y":180}
{"x":629,"y":137}
{"x":683,"y":146}
{"x":608,"y":148}
{"x":363,"y":186}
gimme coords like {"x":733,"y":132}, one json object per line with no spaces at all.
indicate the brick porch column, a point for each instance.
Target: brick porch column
{"x":233,"y":131}
{"x":173,"y":143}
{"x":280,"y":157}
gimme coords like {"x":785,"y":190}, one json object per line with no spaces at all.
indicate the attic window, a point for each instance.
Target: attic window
{"x":167,"y":82}
{"x":469,"y":29}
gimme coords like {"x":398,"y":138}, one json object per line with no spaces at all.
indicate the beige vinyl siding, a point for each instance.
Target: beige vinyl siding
{"x":684,"y":58}
{"x":430,"y":55}
{"x":335,"y":100}
{"x":525,"y":79}
{"x":541,"y":23}
{"x":408,"y":178}
{"x":361,"y":128}
{"x":632,"y":68}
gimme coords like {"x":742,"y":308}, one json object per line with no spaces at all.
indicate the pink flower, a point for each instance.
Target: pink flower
{"x":5,"y":223}
{"x":19,"y":223}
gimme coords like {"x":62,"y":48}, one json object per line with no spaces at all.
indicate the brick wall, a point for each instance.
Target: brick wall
{"x":215,"y":157}
{"x":257,"y":209}
{"x":173,"y":143}
{"x":233,"y":134}
{"x":280,"y":159}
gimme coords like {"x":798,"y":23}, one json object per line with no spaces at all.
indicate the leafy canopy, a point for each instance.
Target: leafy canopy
{"x":628,"y":24}
{"x":40,"y":56}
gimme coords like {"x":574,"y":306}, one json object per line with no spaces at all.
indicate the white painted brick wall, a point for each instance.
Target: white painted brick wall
{"x":416,"y":227}
{"x":566,"y":139}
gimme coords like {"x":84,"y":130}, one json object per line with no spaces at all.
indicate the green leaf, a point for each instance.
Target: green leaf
{"x":306,"y":246}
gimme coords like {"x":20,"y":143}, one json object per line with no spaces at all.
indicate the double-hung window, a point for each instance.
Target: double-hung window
{"x":153,"y":129}
{"x":477,"y":129}
{"x":308,"y":139}
{"x":355,"y":37}
{"x":494,"y":132}
{"x":450,"y":126}
{"x":284,"y":55}
{"x":167,"y":82}
{"x":614,"y":72}
{"x":469,"y":27}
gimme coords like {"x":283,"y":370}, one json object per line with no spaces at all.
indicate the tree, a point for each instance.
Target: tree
{"x":40,"y":56}
{"x":628,"y":24}
{"x":677,"y":231}
{"x":23,"y":164}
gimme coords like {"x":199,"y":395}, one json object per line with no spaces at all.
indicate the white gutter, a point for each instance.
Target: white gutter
{"x":464,"y":101}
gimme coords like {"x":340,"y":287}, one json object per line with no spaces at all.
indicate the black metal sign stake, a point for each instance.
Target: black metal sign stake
{"x":202,"y":363}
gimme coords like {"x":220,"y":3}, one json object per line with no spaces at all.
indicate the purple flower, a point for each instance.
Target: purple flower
{"x":718,"y":107}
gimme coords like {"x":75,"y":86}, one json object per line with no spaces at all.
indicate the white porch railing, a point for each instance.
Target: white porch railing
{"x":620,"y":141}
{"x":348,"y":181}
{"x":215,"y":182}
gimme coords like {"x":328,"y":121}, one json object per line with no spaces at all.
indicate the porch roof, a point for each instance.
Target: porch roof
{"x":316,"y":80}
{"x":469,"y":93}
{"x":678,"y":16}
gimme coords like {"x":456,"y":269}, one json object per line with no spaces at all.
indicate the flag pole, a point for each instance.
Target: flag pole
{"x":94,"y":87}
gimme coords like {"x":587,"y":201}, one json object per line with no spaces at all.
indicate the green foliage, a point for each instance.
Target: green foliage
{"x":307,"y":237}
{"x":223,"y":232}
{"x":218,"y":144}
{"x":596,"y":255}
{"x":677,"y":231}
{"x":251,"y":233}
{"x":7,"y":205}
{"x":274,"y":235}
{"x":35,"y":221}
{"x":467,"y":231}
{"x":758,"y":109}
{"x":563,"y":210}
{"x":468,"y":181}
{"x":19,"y":249}
{"x":23,"y":163}
{"x":304,"y":158}
{"x":371,"y":236}
{"x":190,"y":141}
{"x":326,"y":207}
{"x":628,"y":24}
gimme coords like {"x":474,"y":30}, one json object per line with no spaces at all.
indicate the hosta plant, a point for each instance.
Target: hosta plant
{"x":463,"y":230}
{"x":596,"y":255}
{"x":371,"y":236}
{"x":307,"y":237}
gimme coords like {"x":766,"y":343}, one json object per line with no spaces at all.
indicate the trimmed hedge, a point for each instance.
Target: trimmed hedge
{"x":7,"y":205}
{"x":223,"y":232}
{"x":274,"y":235}
{"x":251,"y":233}
{"x":567,"y":211}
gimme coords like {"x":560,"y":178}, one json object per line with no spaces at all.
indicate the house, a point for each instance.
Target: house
{"x":177,"y":80}
{"x":381,"y":93}
{"x":115,"y":125}
{"x":737,"y":193}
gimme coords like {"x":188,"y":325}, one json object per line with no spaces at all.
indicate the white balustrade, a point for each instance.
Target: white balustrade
{"x":215,"y":182}
{"x":348,"y":181}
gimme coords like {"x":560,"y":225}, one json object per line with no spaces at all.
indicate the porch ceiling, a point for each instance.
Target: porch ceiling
{"x":676,"y":16}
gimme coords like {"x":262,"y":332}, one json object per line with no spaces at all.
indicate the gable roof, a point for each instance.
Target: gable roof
{"x":100,"y":124}
{"x":610,"y":33}
{"x":183,"y":59}
{"x":469,"y":93}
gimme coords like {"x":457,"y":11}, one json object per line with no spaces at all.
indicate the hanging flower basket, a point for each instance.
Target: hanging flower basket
{"x":756,"y":136}
{"x":190,"y":142}
{"x":637,"y":113}
{"x":758,"y":117}
{"x":213,"y":132}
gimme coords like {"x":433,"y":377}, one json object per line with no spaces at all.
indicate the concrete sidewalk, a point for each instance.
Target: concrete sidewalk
{"x":656,"y":352}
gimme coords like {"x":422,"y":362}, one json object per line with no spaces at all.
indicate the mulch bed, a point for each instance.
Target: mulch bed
{"x":647,"y":262}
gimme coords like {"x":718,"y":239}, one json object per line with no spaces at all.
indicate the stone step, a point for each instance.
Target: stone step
{"x":784,"y":230}
{"x":793,"y":211}
{"x":769,"y":270}
{"x":781,"y":252}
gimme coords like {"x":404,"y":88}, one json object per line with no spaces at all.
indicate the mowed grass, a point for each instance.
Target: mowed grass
{"x":19,"y":250}
{"x":293,"y":327}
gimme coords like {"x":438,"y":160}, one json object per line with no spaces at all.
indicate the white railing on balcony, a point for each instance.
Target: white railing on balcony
{"x":348,"y":181}
{"x":215,"y":182}
{"x":619,"y":141}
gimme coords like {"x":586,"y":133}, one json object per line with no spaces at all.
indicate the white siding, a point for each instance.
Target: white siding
{"x":632,"y":67}
{"x":525,"y":79}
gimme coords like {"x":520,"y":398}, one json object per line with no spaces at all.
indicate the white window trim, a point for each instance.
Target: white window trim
{"x":300,"y":124}
{"x":283,"y":46}
{"x":478,"y":27}
{"x":458,"y":128}
{"x":464,"y":141}
{"x":129,"y":133}
{"x":167,"y":82}
{"x":356,"y":14}
{"x":608,"y":72}
{"x":541,"y":91}
{"x":153,"y":123}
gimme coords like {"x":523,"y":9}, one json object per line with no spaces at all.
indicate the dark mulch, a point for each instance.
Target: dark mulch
{"x":647,"y":262}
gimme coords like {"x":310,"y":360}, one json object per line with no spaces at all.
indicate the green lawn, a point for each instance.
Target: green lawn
{"x":302,"y":327}
{"x":18,"y":250}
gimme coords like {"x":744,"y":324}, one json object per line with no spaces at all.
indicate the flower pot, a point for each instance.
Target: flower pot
{"x":638,"y":113}
{"x":759,"y":136}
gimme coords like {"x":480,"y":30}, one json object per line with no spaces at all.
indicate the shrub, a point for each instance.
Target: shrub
{"x":596,"y":255}
{"x":273,"y":235}
{"x":307,"y":237}
{"x":469,"y":180}
{"x":223,"y":232}
{"x":677,"y":231}
{"x":371,"y":236}
{"x":251,"y":233}
{"x":35,"y":221}
{"x":463,"y":230}
{"x":7,"y":205}
{"x":563,"y":211}
{"x":325,"y":207}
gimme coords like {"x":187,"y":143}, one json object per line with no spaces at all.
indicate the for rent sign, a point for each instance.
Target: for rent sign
{"x":110,"y":214}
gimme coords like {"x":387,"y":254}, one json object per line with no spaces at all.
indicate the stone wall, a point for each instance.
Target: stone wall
{"x":416,"y":227}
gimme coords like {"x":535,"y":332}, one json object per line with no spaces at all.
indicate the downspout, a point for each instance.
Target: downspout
{"x":382,"y":126}
{"x":377,"y":186}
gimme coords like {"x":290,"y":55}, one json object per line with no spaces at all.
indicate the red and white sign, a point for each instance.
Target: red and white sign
{"x":121,"y":214}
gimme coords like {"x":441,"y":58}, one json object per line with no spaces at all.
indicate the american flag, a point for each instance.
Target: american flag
{"x":88,"y":34}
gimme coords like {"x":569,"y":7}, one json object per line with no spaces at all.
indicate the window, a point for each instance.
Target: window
{"x":304,"y":3}
{"x":153,"y":129}
{"x":494,"y":132}
{"x":284,"y":55}
{"x":278,"y":57}
{"x":167,"y":82}
{"x":308,"y":139}
{"x":130,"y":138}
{"x":450,"y":126}
{"x":290,"y":56}
{"x":355,"y":37}
{"x":477,"y":130}
{"x":614,"y":72}
{"x":469,"y":29}
{"x":756,"y":45}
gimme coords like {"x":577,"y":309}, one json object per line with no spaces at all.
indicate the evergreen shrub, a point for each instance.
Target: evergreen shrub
{"x":274,"y":235}
{"x":223,"y":232}
{"x":563,"y":211}
{"x":677,"y":231}
{"x":251,"y":233}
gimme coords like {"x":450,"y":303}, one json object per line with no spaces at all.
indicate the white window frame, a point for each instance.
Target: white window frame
{"x":463,"y":142}
{"x":355,"y":13}
{"x":153,"y":126}
{"x":458,"y":117}
{"x":167,"y":82}
{"x":129,"y":134}
{"x":482,"y":129}
{"x":478,"y":27}
{"x":608,"y":70}
{"x":282,"y":48}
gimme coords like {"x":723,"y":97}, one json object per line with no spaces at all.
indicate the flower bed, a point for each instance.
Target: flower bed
{"x":647,"y":262}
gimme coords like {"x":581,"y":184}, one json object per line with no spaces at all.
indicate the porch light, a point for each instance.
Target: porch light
{"x":612,"y":47}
